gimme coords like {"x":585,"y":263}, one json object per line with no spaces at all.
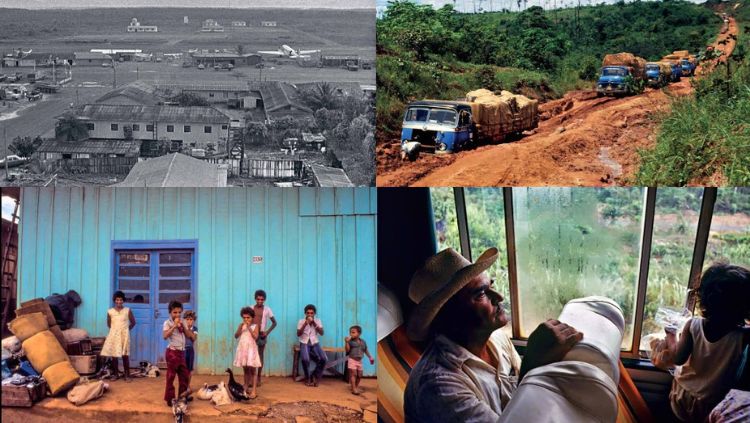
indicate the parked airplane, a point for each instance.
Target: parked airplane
{"x":287,"y":51}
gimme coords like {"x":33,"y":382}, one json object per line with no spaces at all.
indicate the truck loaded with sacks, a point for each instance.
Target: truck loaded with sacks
{"x":442,"y":126}
{"x":621,"y":74}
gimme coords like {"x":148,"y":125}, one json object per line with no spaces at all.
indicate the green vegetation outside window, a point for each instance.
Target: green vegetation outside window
{"x":444,"y":214}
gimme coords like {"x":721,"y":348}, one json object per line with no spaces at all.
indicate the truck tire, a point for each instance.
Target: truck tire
{"x":441,"y":146}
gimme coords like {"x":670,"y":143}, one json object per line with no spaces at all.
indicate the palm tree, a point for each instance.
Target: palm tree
{"x":71,"y":128}
{"x":323,"y":96}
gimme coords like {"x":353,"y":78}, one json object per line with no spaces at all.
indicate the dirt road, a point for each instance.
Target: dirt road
{"x":581,"y":140}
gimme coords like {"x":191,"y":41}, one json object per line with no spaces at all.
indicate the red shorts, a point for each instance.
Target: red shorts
{"x":353,"y":364}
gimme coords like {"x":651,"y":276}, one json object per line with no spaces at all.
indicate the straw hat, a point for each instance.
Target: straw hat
{"x":441,"y":277}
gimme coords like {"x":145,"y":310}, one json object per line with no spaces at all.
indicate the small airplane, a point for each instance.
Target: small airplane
{"x":287,"y":51}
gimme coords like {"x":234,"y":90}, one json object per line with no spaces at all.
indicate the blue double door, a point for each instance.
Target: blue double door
{"x":150,"y":280}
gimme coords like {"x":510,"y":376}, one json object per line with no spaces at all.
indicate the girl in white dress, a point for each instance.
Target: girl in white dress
{"x":247,"y":355}
{"x":120,"y":321}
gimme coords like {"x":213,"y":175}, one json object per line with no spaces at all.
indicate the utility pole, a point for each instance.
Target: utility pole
{"x":114,"y":74}
{"x":5,"y":142}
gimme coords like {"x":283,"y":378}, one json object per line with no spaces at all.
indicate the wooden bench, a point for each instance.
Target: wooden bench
{"x":330,"y":366}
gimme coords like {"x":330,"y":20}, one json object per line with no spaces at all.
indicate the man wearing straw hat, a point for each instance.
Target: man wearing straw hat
{"x":470,"y":370}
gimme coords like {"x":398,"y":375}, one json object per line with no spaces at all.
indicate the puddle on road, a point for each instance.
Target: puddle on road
{"x":607,"y":160}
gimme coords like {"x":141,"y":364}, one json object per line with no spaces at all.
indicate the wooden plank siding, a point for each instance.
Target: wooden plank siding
{"x":317,"y":245}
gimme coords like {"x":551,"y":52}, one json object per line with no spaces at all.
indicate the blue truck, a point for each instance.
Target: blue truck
{"x":688,"y":67}
{"x":656,"y":74}
{"x":621,"y":74}
{"x":440,"y":126}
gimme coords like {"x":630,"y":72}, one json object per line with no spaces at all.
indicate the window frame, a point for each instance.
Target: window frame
{"x":708,"y":201}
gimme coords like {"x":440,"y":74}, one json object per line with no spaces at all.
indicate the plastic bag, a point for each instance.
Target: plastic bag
{"x":672,"y":320}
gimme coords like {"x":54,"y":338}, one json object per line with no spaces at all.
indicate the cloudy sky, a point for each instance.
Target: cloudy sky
{"x":304,"y":4}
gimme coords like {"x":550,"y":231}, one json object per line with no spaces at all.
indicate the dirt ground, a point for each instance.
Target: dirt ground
{"x":582,"y":140}
{"x":279,"y":400}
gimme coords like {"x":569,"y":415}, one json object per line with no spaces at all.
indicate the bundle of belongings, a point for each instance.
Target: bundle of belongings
{"x":63,"y":306}
{"x":44,"y":351}
{"x":496,"y":115}
{"x":87,"y":391}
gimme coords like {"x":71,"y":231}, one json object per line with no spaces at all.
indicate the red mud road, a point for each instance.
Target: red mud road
{"x":581,"y":140}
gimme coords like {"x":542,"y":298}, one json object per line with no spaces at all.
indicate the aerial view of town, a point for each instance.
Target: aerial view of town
{"x":173,"y":96}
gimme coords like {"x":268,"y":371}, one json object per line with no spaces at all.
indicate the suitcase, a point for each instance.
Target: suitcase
{"x":84,"y":364}
{"x":82,"y":347}
{"x":23,"y":396}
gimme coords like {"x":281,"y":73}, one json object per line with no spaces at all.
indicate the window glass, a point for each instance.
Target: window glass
{"x":675,"y":224}
{"x":136,"y":297}
{"x":575,"y":242}
{"x":730,"y":228}
{"x":416,"y":115}
{"x":486,"y":219}
{"x":134,"y":271}
{"x":444,"y":215}
{"x":442,"y":116}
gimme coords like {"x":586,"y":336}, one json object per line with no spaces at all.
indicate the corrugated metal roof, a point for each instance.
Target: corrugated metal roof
{"x":130,"y":148}
{"x":132,"y":92}
{"x":133,"y":113}
{"x":201,"y":85}
{"x":330,"y":176}
{"x":173,"y":170}
{"x":90,"y":56}
{"x":279,"y":100}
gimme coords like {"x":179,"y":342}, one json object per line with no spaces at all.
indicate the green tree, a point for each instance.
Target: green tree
{"x":256,"y":133}
{"x":25,"y":146}
{"x":70,"y":128}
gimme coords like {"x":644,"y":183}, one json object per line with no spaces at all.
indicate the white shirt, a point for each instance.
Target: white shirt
{"x":309,"y":334}
{"x":450,"y":384}
{"x":267,"y":315}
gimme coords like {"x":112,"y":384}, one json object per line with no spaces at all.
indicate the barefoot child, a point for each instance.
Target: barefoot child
{"x":710,"y":347}
{"x":263,"y":315}
{"x":246,"y":355}
{"x":190,"y":317}
{"x":355,"y":349}
{"x":175,"y":331}
{"x":120,"y":322}
{"x":308,"y":330}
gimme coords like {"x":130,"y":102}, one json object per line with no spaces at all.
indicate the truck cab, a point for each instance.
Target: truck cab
{"x":688,"y":68}
{"x":612,"y":80}
{"x":438,"y":126}
{"x":654,"y":76}
{"x":676,"y":72}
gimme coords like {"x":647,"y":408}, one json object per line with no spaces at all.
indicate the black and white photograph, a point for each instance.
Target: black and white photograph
{"x":193,"y":93}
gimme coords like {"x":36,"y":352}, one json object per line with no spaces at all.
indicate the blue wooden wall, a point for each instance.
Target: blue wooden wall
{"x":318,"y":246}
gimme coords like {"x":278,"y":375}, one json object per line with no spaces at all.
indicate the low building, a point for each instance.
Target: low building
{"x":180,"y":127}
{"x":175,"y":170}
{"x":91,"y":59}
{"x":120,"y":54}
{"x":136,"y":26}
{"x":214,"y":92}
{"x":239,"y":24}
{"x":339,"y":61}
{"x":325,"y":176}
{"x":280,"y":99}
{"x":211,"y":59}
{"x":32,"y":60}
{"x":53,"y":149}
{"x":136,"y":93}
{"x":268,"y":23}
{"x":210,"y":25}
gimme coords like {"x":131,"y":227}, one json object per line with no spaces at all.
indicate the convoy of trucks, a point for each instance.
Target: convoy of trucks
{"x":624,"y":73}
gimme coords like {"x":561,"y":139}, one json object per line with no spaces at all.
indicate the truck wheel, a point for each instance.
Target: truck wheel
{"x":441,"y":146}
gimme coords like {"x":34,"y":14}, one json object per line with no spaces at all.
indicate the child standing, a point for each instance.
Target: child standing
{"x":308,"y":330}
{"x":710,"y":347}
{"x":263,"y":314}
{"x":190,"y":317}
{"x":175,"y":331}
{"x":356,"y":347}
{"x":246,"y":355}
{"x":120,"y":321}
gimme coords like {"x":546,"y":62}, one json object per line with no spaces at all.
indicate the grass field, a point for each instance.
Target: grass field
{"x":64,"y":31}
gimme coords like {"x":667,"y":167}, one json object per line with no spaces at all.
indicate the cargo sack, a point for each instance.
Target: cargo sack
{"x":63,"y":307}
{"x":482,"y":92}
{"x":28,"y":325}
{"x":681,"y":53}
{"x":37,"y":305}
{"x":43,"y":350}
{"x":60,"y":377}
{"x":81,"y":394}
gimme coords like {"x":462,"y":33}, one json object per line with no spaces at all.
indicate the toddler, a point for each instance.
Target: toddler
{"x":246,"y":355}
{"x":355,"y":349}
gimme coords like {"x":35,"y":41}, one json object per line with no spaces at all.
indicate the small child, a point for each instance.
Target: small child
{"x":308,"y":330}
{"x":246,"y":355}
{"x":710,"y":347}
{"x":190,"y":317}
{"x":120,"y":321}
{"x":263,"y":315}
{"x":356,"y":347}
{"x":175,"y":331}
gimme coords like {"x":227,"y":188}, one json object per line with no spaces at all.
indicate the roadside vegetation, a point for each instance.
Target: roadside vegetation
{"x":427,"y":53}
{"x":705,"y":139}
